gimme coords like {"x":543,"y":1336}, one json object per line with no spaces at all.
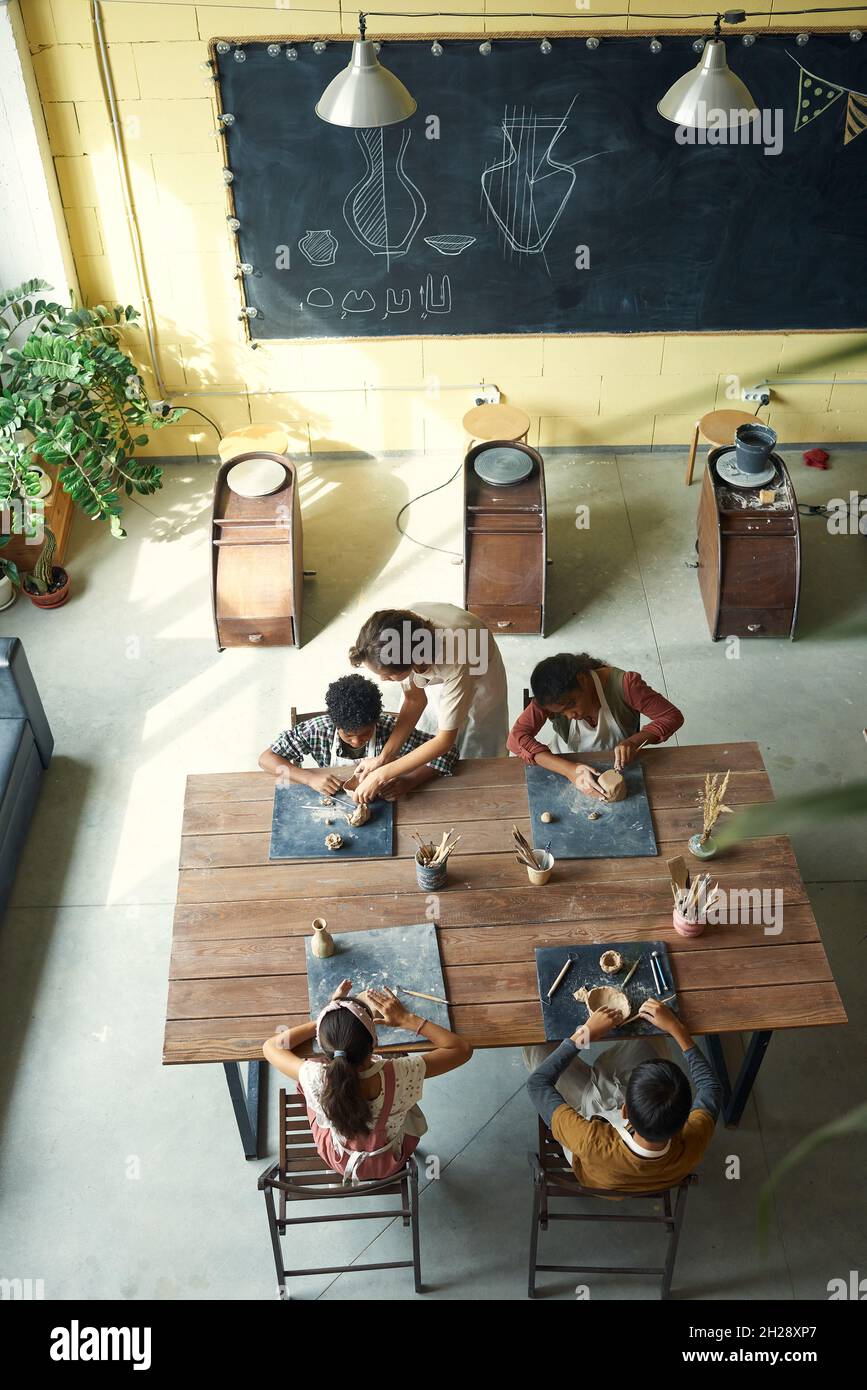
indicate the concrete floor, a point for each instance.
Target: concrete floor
{"x":124,"y":1179}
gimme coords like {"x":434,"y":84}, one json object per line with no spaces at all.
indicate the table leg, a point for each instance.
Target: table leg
{"x":735,"y":1097}
{"x":690,"y":463}
{"x":246,"y":1104}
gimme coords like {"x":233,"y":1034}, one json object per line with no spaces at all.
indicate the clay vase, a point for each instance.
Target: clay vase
{"x":702,"y":851}
{"x":322,"y":944}
{"x":319,"y":247}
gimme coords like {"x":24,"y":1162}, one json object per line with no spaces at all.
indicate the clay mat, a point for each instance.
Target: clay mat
{"x":563,"y":1014}
{"x":407,"y":956}
{"x":300,"y":823}
{"x":624,"y":828}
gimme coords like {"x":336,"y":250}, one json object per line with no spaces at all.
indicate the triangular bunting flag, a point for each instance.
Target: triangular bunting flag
{"x":856,"y":116}
{"x":814,"y":98}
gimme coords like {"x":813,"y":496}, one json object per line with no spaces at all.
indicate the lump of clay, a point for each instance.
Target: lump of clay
{"x":546,"y":817}
{"x":333,"y":841}
{"x":613,"y":785}
{"x":360,"y":816}
{"x":593,"y":815}
{"x":611,"y":962}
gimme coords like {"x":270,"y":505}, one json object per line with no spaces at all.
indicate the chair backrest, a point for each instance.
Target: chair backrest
{"x":527,"y":697}
{"x":295,"y":718}
{"x":302,"y":1170}
{"x":560,"y":1173}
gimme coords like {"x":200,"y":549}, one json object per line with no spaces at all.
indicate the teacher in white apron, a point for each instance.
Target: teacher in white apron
{"x":454,"y":686}
{"x":592,"y":707}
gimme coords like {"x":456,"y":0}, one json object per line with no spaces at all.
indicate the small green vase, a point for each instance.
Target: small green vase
{"x":702,"y":851}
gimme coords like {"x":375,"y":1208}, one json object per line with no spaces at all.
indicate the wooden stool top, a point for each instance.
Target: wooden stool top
{"x":271,"y":439}
{"x":496,"y":422}
{"x":718,"y":426}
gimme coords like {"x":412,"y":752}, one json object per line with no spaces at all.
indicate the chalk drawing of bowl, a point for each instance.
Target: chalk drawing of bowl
{"x":319,"y":247}
{"x":450,"y":245}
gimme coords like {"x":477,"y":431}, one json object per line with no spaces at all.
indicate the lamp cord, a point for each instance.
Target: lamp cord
{"x":424,"y":544}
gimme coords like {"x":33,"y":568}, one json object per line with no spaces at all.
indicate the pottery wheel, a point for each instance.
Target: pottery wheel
{"x":256,"y":477}
{"x":503,"y":466}
{"x":728,"y":472}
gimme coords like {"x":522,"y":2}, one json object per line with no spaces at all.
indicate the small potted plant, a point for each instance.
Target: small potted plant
{"x":47,"y":584}
{"x":10,"y":579}
{"x":711,"y":801}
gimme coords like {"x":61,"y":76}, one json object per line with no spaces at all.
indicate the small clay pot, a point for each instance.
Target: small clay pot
{"x":545,"y":860}
{"x":57,"y":594}
{"x":611,"y":962}
{"x":684,"y":927}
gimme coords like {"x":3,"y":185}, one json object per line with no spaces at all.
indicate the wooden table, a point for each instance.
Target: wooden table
{"x":238,"y":964}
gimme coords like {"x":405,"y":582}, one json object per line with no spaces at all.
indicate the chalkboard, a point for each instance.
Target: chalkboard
{"x":563,"y":1013}
{"x":480,"y":230}
{"x":622,"y":829}
{"x":300,"y":823}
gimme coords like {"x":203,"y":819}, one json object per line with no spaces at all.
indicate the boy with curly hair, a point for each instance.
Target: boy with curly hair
{"x":353,"y":727}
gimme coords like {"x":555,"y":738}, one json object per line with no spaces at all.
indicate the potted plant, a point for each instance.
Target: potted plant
{"x":47,"y":584}
{"x":10,"y":579}
{"x":70,"y":396}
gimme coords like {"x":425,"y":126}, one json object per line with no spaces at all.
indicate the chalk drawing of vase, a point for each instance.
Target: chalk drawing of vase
{"x":385,"y":209}
{"x":527,"y":189}
{"x":320,"y":248}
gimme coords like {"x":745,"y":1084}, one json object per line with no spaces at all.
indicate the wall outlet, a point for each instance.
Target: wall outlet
{"x":759,"y":395}
{"x":487,"y":395}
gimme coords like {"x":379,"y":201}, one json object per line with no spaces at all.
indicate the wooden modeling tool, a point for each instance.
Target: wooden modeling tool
{"x":561,"y":977}
{"x":632,"y":970}
{"x":417,"y":994}
{"x":677,"y":871}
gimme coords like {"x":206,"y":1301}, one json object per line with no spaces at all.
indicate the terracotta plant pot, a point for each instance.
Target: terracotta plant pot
{"x":57,"y":594}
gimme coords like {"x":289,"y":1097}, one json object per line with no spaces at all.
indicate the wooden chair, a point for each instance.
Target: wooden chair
{"x":553,"y":1178}
{"x":295,"y":718}
{"x":301,"y":1175}
{"x":489,"y":421}
{"x":718,"y":428}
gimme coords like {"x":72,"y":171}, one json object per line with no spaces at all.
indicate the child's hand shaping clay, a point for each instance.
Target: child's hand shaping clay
{"x":342,"y":990}
{"x":325,"y":781}
{"x":599,"y":1025}
{"x":585,"y":781}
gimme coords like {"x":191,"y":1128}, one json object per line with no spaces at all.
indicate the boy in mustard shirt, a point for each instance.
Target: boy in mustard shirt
{"x":630,"y":1122}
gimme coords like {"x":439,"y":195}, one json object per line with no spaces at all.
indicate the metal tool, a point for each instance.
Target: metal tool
{"x":661,"y":973}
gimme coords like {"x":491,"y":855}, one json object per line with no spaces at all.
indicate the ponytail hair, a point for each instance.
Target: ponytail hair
{"x":341,"y":1099}
{"x":556,"y":676}
{"x":393,"y":640}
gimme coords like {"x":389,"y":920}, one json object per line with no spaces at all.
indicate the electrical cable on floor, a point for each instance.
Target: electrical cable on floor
{"x":429,"y":493}
{"x":808,"y":509}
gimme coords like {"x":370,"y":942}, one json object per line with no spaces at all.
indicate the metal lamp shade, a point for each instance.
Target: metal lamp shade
{"x":365,"y":95}
{"x":710,"y":87}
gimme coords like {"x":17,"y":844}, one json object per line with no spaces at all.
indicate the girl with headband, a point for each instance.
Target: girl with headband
{"x":363,"y":1109}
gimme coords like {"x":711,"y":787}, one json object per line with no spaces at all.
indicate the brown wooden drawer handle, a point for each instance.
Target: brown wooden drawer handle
{"x":506,"y":622}
{"x":754,"y":627}
{"x":255,"y":637}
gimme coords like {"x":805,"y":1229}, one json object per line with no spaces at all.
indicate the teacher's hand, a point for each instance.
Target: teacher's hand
{"x":366,"y":765}
{"x":370,"y":786}
{"x":585,"y":781}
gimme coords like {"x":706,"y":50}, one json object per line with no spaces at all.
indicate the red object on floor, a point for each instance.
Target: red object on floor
{"x":817,"y":458}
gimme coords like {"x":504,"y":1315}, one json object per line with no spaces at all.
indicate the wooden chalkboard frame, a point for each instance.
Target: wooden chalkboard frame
{"x":334,"y":40}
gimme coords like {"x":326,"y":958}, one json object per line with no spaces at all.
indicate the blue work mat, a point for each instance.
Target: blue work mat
{"x":395,"y":956}
{"x":299,"y":826}
{"x":563,"y":1013}
{"x":624,"y":828}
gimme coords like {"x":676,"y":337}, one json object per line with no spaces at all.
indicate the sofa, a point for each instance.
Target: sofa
{"x":26,"y":745}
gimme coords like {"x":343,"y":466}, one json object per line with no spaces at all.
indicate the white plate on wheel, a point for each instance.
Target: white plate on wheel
{"x":256,"y":477}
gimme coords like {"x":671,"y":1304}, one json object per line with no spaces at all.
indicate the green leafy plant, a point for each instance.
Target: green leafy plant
{"x":9,"y":567}
{"x":70,"y":396}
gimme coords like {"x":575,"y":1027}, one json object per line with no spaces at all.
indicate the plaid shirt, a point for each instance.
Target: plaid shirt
{"x":315,"y":736}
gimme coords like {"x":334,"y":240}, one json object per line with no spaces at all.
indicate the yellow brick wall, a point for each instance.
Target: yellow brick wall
{"x":578,"y":391}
